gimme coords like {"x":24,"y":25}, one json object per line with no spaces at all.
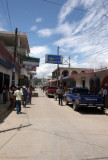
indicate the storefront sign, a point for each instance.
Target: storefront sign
{"x":30,"y":68}
{"x":31,"y":61}
{"x":4,"y":61}
{"x":79,"y":74}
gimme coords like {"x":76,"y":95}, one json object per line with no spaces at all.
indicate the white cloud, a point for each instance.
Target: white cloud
{"x":80,"y":39}
{"x":39,"y":51}
{"x":38,"y":20}
{"x":2,"y":29}
{"x":88,"y":35}
{"x":45,"y":32}
{"x":66,"y":9}
{"x":45,"y":70}
{"x":33,"y":28}
{"x":64,"y":29}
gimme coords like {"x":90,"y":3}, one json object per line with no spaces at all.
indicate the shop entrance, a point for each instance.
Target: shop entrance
{"x":1,"y":82}
{"x":6,"y":80}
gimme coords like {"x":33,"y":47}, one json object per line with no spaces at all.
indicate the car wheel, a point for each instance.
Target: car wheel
{"x":75,"y":106}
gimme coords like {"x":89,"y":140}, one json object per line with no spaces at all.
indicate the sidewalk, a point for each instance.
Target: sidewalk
{"x":4,"y":108}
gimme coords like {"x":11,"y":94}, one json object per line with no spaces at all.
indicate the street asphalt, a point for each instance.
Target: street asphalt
{"x":46,"y":131}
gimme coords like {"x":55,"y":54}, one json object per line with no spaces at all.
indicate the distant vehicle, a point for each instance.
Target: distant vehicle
{"x":81,"y":97}
{"x":50,"y":91}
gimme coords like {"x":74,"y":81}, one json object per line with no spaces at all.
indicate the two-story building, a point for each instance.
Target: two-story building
{"x":8,"y":58}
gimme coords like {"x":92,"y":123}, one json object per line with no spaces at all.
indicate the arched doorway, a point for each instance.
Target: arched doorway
{"x":97,"y":85}
{"x":65,"y":73}
{"x":74,"y":72}
{"x":105,"y":83}
{"x":91,"y":84}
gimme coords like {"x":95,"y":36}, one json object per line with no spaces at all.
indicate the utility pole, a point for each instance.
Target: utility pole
{"x":69,"y":65}
{"x":58,"y":68}
{"x":14,"y":63}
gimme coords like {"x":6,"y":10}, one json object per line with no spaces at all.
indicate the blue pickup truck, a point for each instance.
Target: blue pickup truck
{"x":81,"y":97}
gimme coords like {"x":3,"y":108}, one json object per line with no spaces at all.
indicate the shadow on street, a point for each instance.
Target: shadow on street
{"x":5,"y":116}
{"x":89,"y":110}
{"x":16,"y":128}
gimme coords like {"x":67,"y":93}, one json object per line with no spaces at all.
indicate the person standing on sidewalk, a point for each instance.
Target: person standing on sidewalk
{"x":60,"y":92}
{"x":29,"y":95}
{"x":25,"y":95}
{"x":104,"y":96}
{"x":12,"y":97}
{"x":18,"y":95}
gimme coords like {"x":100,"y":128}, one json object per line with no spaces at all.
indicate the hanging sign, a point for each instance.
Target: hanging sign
{"x":31,"y":61}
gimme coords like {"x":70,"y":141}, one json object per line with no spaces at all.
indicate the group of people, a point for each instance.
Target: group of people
{"x":20,"y":94}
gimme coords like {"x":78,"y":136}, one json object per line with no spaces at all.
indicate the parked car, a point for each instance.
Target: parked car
{"x":50,"y":91}
{"x":81,"y":97}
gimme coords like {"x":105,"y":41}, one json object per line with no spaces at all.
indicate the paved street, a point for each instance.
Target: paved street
{"x":47,"y":131}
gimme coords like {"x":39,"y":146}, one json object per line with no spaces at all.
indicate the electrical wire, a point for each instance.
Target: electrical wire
{"x":55,"y":3}
{"x":5,"y":13}
{"x":90,"y":55}
{"x":85,"y":36}
{"x":60,"y":4}
{"x":8,"y":14}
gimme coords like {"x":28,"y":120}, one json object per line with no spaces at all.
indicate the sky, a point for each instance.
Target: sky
{"x":78,"y":27}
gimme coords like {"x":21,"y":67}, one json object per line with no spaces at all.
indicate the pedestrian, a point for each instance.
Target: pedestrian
{"x":60,"y":93}
{"x":12,"y":97}
{"x":43,"y":88}
{"x":104,"y":95}
{"x":25,"y":95}
{"x":29,"y":95}
{"x":18,"y":95}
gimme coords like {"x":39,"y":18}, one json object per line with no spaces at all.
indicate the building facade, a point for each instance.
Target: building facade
{"x":8,"y":59}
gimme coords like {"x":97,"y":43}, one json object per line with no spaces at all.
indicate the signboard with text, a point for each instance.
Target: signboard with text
{"x":31,"y":61}
{"x":55,"y":59}
{"x":30,"y":68}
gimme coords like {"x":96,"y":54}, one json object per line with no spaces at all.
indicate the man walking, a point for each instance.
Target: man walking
{"x":60,"y":92}
{"x":18,"y":94}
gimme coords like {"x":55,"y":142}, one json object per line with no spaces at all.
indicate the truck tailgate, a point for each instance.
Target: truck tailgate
{"x":92,"y":99}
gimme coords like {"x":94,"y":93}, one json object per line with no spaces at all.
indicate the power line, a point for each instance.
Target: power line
{"x":5,"y":13}
{"x":83,"y":36}
{"x":60,"y":4}
{"x":91,"y":54}
{"x":87,"y":35}
{"x":8,"y":14}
